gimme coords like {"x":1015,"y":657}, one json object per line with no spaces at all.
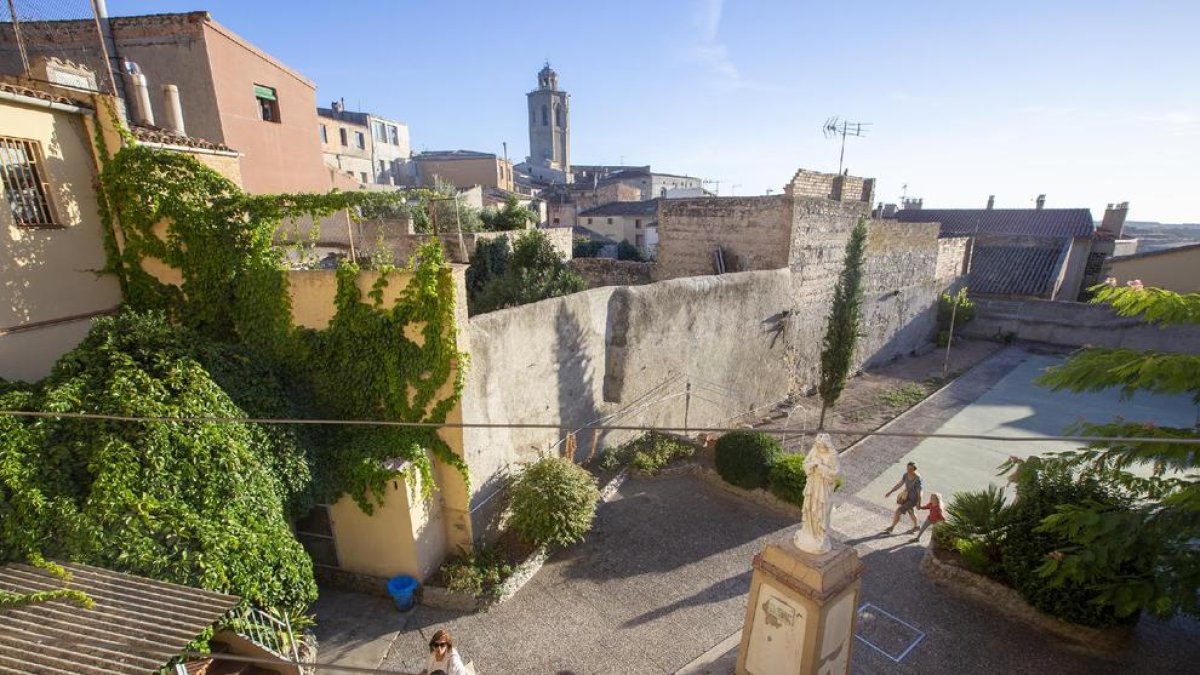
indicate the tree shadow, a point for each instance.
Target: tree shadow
{"x":722,"y":590}
{"x":576,"y":381}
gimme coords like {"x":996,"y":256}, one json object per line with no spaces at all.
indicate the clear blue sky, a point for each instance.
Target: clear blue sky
{"x":1087,"y":101}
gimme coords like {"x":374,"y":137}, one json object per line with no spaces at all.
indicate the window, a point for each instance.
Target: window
{"x":393,"y":134}
{"x":360,"y":139}
{"x":363,"y":176}
{"x":545,"y":116}
{"x":382,"y":170}
{"x":25,"y":186}
{"x":556,"y":221}
{"x":637,"y":223}
{"x":640,"y":241}
{"x":558,"y":116}
{"x":268,"y":103}
{"x":324,"y":134}
{"x":589,"y":221}
{"x":380,"y":131}
{"x":610,"y":221}
{"x":345,"y":138}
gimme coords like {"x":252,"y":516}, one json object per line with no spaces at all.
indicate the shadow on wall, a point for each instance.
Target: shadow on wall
{"x":576,"y":400}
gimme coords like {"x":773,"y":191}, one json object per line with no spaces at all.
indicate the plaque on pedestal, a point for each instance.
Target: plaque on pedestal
{"x":800,"y":614}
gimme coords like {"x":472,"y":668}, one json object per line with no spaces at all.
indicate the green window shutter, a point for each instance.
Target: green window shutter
{"x":267,"y":93}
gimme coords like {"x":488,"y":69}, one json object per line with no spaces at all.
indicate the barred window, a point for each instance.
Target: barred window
{"x":25,"y":188}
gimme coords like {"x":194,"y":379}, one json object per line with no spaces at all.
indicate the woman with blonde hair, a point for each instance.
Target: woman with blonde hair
{"x":443,"y":656}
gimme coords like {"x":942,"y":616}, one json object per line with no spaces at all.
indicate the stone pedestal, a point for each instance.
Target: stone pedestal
{"x":801,"y":612}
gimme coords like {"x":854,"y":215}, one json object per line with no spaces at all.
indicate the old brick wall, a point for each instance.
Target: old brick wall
{"x":600,"y":272}
{"x":753,"y":232}
{"x":841,"y":188}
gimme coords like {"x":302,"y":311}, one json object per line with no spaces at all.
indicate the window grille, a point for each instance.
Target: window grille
{"x":25,"y":187}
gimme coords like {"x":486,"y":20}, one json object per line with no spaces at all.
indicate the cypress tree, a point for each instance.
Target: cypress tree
{"x":841,"y":334}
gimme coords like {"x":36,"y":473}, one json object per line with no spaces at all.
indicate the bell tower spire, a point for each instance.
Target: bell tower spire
{"x":550,"y":126}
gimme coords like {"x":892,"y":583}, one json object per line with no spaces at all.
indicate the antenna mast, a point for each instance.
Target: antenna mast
{"x":835,"y":126}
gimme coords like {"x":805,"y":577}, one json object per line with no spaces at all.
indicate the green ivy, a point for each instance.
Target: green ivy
{"x":207,"y":504}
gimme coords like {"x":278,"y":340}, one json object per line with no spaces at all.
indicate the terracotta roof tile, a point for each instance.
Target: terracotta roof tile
{"x":165,"y":137}
{"x":136,"y":626}
{"x":19,"y":90}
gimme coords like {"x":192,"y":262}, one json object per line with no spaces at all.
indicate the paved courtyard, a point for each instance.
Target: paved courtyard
{"x":660,"y":584}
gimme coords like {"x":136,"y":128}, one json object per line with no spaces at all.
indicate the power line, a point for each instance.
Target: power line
{"x":601,"y":427}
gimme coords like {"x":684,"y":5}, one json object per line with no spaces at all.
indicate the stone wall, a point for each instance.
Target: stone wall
{"x":1074,"y":324}
{"x":753,"y":232}
{"x":838,"y":187}
{"x":951,"y":257}
{"x":627,"y":355}
{"x":600,"y":272}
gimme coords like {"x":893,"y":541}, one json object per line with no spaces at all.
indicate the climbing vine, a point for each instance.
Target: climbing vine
{"x":207,"y":331}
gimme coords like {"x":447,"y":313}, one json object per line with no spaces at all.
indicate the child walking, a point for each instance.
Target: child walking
{"x":934,"y":507}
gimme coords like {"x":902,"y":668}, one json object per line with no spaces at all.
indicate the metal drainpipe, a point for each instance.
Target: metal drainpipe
{"x":116,"y":64}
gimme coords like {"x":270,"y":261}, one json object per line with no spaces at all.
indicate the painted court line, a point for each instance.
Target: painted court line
{"x":914,"y":643}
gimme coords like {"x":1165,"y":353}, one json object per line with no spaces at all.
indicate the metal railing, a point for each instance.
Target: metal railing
{"x":272,"y":634}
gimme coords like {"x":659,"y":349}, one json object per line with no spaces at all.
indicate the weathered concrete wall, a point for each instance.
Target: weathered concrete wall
{"x":1173,"y":269}
{"x":609,"y":272}
{"x":1075,"y":324}
{"x":752,"y":231}
{"x":539,"y":363}
{"x":741,"y":341}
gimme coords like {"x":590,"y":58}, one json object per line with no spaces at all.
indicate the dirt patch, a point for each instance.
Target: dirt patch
{"x":879,"y":395}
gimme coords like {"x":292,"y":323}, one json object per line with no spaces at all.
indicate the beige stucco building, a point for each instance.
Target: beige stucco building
{"x":634,"y":222}
{"x":52,"y":234}
{"x":372,"y":149}
{"x":464,"y":169}
{"x":1175,"y":269}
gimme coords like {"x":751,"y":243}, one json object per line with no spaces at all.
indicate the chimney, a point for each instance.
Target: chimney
{"x":991,"y":202}
{"x":338,"y":105}
{"x":174,"y":110}
{"x":1114,"y":219}
{"x":142,"y":113}
{"x":1041,"y":202}
{"x":912,"y":203}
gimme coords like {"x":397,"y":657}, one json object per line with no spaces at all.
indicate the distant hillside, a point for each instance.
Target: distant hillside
{"x":1158,"y":236}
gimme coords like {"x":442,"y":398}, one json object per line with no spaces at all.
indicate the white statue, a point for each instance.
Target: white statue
{"x":821,"y":470}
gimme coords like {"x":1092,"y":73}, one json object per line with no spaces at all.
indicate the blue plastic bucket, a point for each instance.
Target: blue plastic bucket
{"x":401,"y":589}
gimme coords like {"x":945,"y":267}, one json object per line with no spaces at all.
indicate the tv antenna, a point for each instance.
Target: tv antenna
{"x":836,"y":126}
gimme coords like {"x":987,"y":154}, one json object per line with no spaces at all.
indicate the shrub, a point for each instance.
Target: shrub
{"x":1041,"y":487}
{"x":533,"y":271}
{"x":744,"y":458}
{"x":646,"y":454}
{"x":627,"y":251}
{"x":943,"y":537}
{"x":554,"y":503}
{"x":786,"y":479}
{"x":477,"y":573}
{"x":586,"y":248}
{"x":979,"y":518}
{"x":961,"y":307}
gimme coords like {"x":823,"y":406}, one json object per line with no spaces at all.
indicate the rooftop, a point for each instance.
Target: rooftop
{"x":645,"y":208}
{"x":449,"y":155}
{"x":999,"y":269}
{"x":150,"y":622}
{"x":1159,"y":252}
{"x":20,"y":90}
{"x":149,"y":134}
{"x":1022,"y":222}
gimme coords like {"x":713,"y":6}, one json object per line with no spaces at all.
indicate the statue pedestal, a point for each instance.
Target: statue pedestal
{"x":801,"y":612}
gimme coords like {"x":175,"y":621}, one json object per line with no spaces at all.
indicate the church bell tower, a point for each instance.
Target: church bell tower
{"x":549,"y":124}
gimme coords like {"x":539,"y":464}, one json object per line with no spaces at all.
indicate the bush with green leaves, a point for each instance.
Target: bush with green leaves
{"x":845,"y":317}
{"x":745,"y":458}
{"x":646,"y":454}
{"x":1042,"y":486}
{"x":553,"y":502}
{"x":978,"y":519}
{"x":478,"y":573}
{"x":627,"y":251}
{"x":533,"y":271}
{"x":958,"y":307}
{"x":195,"y":503}
{"x":786,"y":479}
{"x":511,"y":216}
{"x":586,"y":248}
